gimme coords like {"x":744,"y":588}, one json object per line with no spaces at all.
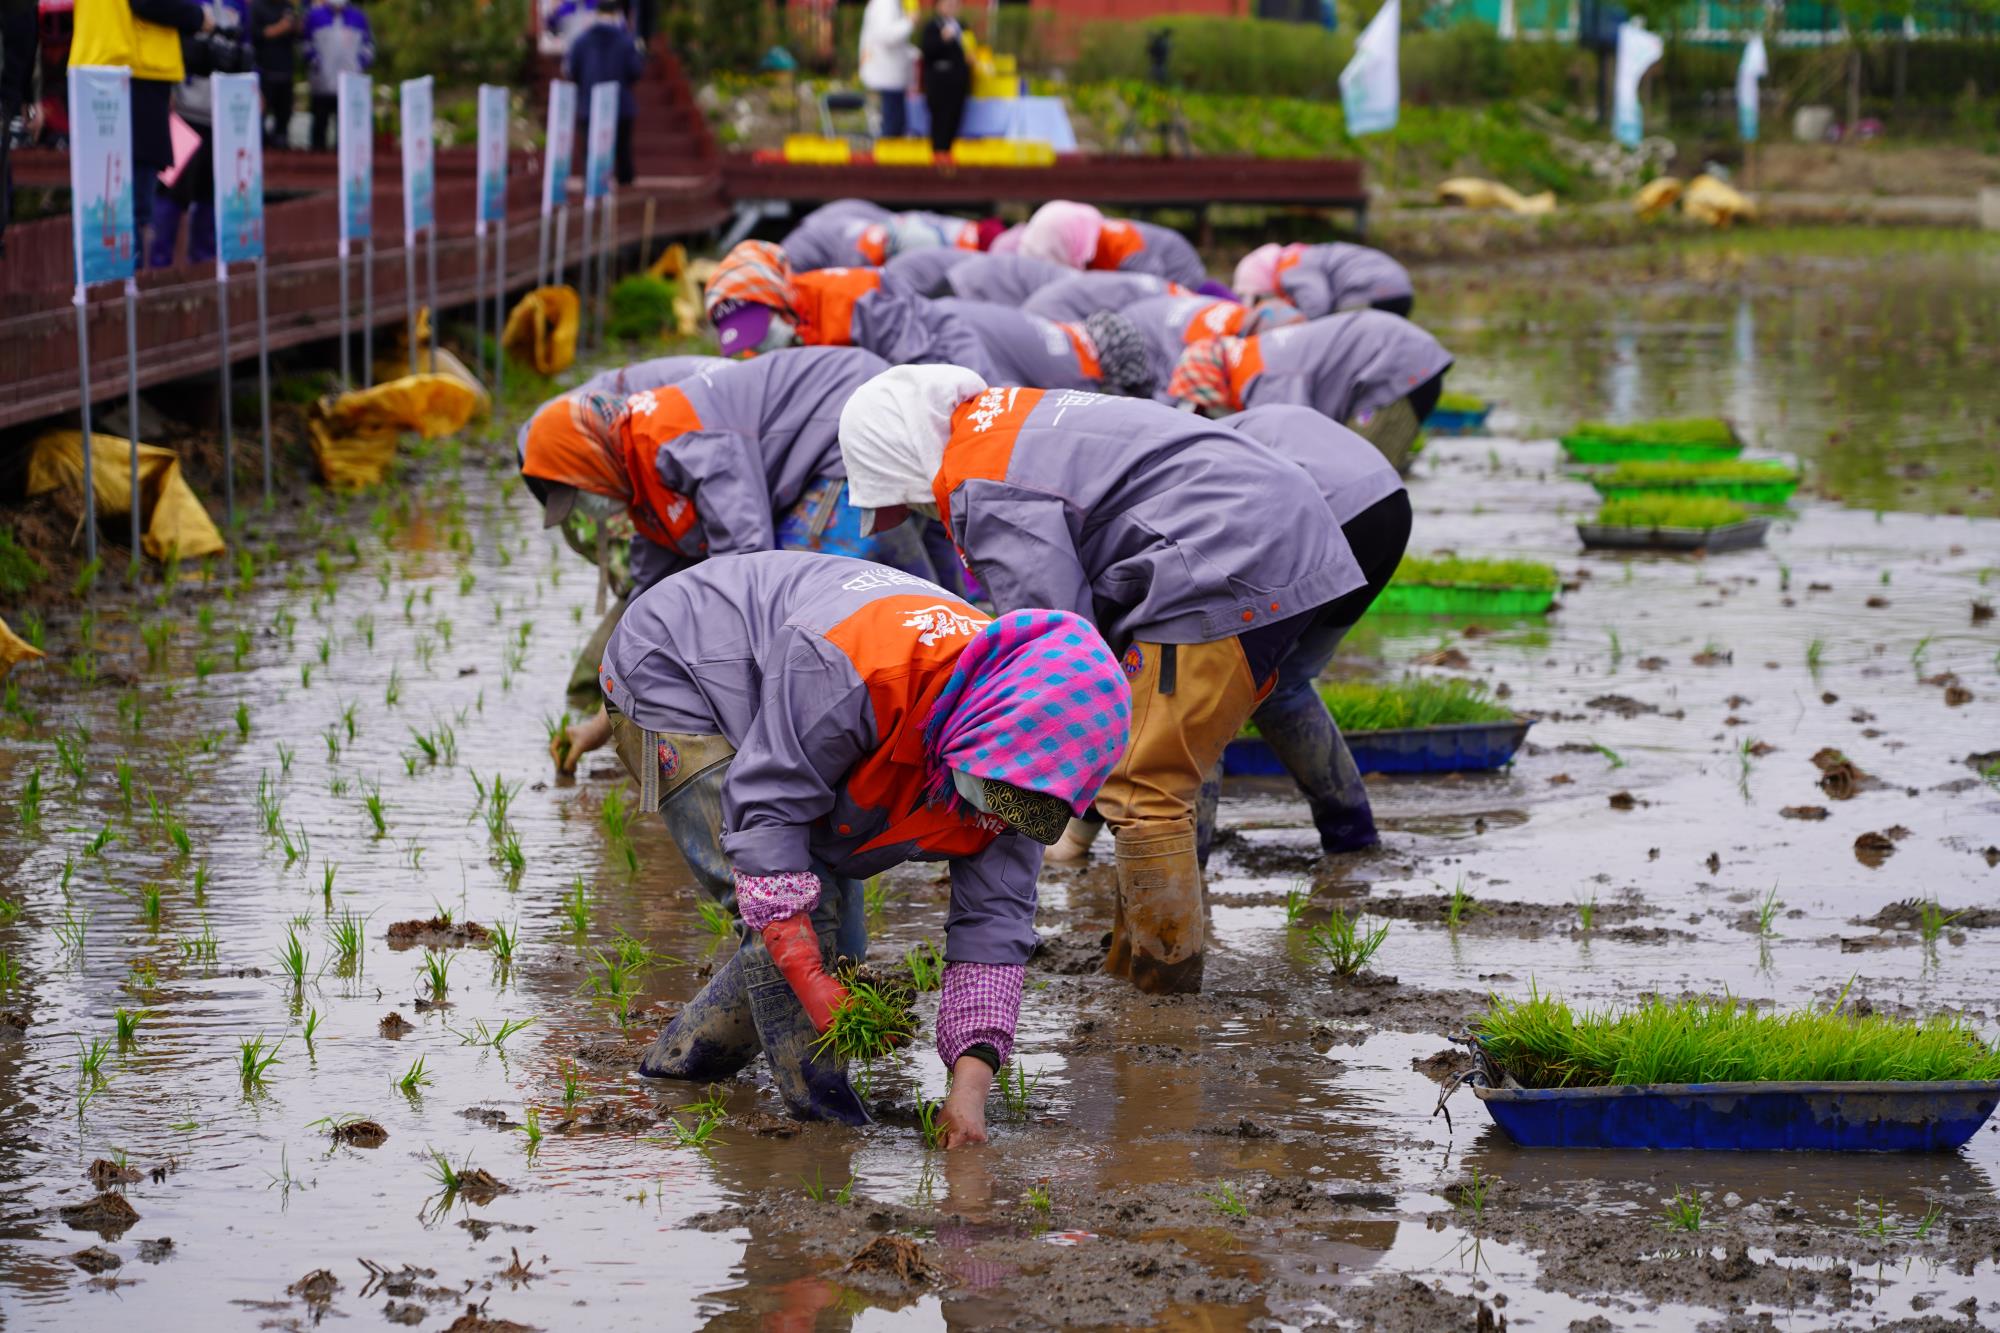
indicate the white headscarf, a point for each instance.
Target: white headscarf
{"x":1063,"y":232}
{"x":893,"y":432}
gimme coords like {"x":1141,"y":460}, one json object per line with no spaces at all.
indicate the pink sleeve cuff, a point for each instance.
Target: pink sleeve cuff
{"x":981,"y":1003}
{"x":762,"y":900}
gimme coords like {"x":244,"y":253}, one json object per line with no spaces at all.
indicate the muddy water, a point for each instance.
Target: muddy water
{"x":1263,"y":1154}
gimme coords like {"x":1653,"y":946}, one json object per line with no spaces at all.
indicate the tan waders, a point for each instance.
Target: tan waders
{"x":1393,"y":430}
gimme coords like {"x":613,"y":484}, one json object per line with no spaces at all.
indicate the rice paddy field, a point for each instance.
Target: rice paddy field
{"x":321,"y":991}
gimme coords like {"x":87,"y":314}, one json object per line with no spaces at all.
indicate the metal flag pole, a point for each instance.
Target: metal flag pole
{"x":264,"y":372}
{"x":431,"y":263}
{"x":585,"y":270}
{"x":368,"y":309}
{"x":500,"y":322}
{"x":556,"y":270}
{"x":346,"y":366}
{"x":89,"y":442}
{"x":410,"y":293}
{"x":132,"y":411}
{"x":608,"y":244}
{"x":478,"y":299}
{"x":228,"y":408}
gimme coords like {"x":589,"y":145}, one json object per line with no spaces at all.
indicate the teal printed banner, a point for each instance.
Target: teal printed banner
{"x":561,"y":139}
{"x":492,"y":155}
{"x":602,"y":142}
{"x":100,"y":174}
{"x":239,"y":166}
{"x":419,"y":164}
{"x":357,"y":157}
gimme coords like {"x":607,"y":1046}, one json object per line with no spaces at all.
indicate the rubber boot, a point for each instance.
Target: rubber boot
{"x":813,"y":1087}
{"x":1311,"y":748}
{"x":1205,"y":806}
{"x":712,"y":1037}
{"x":1118,"y":961}
{"x":1159,"y":890}
{"x":1073,"y":848}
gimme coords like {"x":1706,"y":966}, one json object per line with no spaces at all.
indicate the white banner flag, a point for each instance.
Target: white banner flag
{"x":357,"y":157}
{"x":560,"y":143}
{"x":1370,"y":87}
{"x":1749,"y":75}
{"x":492,"y":156}
{"x":1638,"y":51}
{"x":419,"y":159}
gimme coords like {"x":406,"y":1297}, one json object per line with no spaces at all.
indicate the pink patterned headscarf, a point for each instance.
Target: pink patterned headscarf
{"x":1063,"y":232}
{"x":1008,"y":242}
{"x":1036,"y":700}
{"x":1257,"y":272}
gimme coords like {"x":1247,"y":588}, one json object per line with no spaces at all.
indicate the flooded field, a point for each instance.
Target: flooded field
{"x":244,"y":788}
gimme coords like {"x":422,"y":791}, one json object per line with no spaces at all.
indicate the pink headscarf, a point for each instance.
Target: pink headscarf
{"x":1063,"y":232}
{"x":1007,"y":242}
{"x":1257,"y":272}
{"x":1036,"y":700}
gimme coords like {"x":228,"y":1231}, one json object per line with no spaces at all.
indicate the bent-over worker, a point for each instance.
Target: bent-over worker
{"x":1081,"y":237}
{"x":1101,"y":352}
{"x":1325,"y":279}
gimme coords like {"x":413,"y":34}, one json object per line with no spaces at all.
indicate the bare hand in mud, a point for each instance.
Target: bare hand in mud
{"x":572,"y":743}
{"x":965,"y":1104}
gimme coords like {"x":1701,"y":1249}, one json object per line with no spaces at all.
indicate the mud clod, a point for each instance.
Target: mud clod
{"x":1807,"y":812}
{"x":1872,"y":849}
{"x":476,"y":1320}
{"x":104,"y":1174}
{"x":481,"y":1186}
{"x":438,"y":933}
{"x":1839,"y":777}
{"x":360,"y":1134}
{"x":1624,"y":800}
{"x":96,"y":1259}
{"x":109,"y":1215}
{"x":315,"y":1288}
{"x":157,"y":1250}
{"x":13,"y":1023}
{"x":407,"y":1313}
{"x":895,"y":1260}
{"x":1956,"y":696}
{"x":610,"y":1053}
{"x":394,"y":1025}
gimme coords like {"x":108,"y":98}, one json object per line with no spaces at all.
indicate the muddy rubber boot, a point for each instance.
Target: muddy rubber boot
{"x":1205,"y":806}
{"x":1073,"y":848}
{"x":1118,"y":961}
{"x":1310,"y":746}
{"x":813,"y":1088}
{"x":712,"y":1037}
{"x":1159,"y":890}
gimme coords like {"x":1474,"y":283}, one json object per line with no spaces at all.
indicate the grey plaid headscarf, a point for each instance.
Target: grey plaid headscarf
{"x":1122,"y":356}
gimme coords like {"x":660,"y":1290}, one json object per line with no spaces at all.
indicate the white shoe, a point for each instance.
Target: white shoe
{"x":1073,"y":848}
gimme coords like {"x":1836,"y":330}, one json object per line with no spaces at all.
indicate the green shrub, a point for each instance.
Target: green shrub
{"x":1449,"y":570}
{"x":1669,"y":511}
{"x":19,"y":570}
{"x":1543,"y":1044}
{"x":463,"y":44}
{"x":642,"y":306}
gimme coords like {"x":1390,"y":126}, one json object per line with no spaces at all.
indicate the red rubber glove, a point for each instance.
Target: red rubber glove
{"x":795,"y":949}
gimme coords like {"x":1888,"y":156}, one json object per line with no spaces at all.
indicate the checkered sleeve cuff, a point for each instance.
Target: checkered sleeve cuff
{"x":765,"y":899}
{"x":981,"y":1003}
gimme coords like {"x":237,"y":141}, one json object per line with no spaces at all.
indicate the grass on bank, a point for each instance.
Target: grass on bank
{"x":1669,"y":511}
{"x":1543,"y":1043}
{"x":1712,"y":431}
{"x":1452,"y":571}
{"x":1413,"y":702}
{"x":1668,"y":473}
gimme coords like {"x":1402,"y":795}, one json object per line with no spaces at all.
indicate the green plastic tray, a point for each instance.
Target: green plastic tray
{"x":1595,"y":449}
{"x":1744,"y":492}
{"x":1462,"y":599}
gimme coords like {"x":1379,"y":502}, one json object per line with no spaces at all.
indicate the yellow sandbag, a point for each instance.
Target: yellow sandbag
{"x":395,"y":363}
{"x":354,"y":434}
{"x":671,"y":264}
{"x":172,"y":518}
{"x":1472,"y":192}
{"x":541,"y":330}
{"x":13,"y":648}
{"x":1657,"y":196}
{"x":1709,"y":200}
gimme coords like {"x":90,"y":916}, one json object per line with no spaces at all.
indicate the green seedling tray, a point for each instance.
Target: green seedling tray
{"x":1462,"y":599}
{"x":1595,"y":449}
{"x":1729,"y":537}
{"x":1743,"y":492}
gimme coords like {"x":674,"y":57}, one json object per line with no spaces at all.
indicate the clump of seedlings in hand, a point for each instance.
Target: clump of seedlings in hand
{"x":1344,"y":943}
{"x":1682,"y":1212}
{"x":926,"y":966}
{"x":874,"y":1020}
{"x":1542,"y":1043}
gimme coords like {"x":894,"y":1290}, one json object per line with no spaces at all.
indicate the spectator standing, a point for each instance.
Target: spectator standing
{"x":885,"y":62}
{"x":192,"y":191}
{"x":947,"y":75}
{"x":143,"y":36}
{"x":274,"y":31}
{"x":338,"y":41}
{"x":19,"y":41}
{"x":605,"y":51}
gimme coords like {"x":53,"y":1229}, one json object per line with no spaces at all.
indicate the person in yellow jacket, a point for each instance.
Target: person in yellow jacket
{"x":143,"y":36}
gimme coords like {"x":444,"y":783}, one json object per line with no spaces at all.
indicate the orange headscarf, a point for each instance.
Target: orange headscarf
{"x":575,"y":440}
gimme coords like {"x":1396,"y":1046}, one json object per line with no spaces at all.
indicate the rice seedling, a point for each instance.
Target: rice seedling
{"x":347,"y":718}
{"x":572,"y":1085}
{"x":150,"y":905}
{"x":531,"y":1130}
{"x":1225,"y":1201}
{"x":125,"y":1024}
{"x":444,"y":632}
{"x":699,"y":1135}
{"x":1016,"y":1088}
{"x":1459,"y":907}
{"x":105,"y":837}
{"x":509,"y":854}
{"x":177,"y":836}
{"x":1344,"y":943}
{"x":142,"y":976}
{"x":204,"y":666}
{"x":377,"y":809}
{"x":1586,"y":912}
{"x":10,"y":971}
{"x":1611,"y":756}
{"x":876,"y":895}
{"x":1037,"y":1198}
{"x":71,"y":931}
{"x":1932,"y":1216}
{"x":502,"y":942}
{"x":1472,"y":1195}
{"x":392,"y":692}
{"x":410,"y":606}
{"x":240,"y":649}
{"x":366,"y":625}
{"x":311,"y":1029}
{"x":930,"y":1120}
{"x":1542,"y":1043}
{"x":296,"y":845}
{"x":1932,"y":919}
{"x":449,"y":1178}
{"x":332,"y":738}
{"x":69,"y":755}
{"x":9,"y":909}
{"x":1669,"y":511}
{"x":254,"y":1061}
{"x":156,"y":635}
{"x":873,"y":1021}
{"x":615,"y":983}
{"x":616,"y":815}
{"x":715,"y":919}
{"x":415,"y":1078}
{"x":1682,"y":1212}
{"x":1767,"y":913}
{"x":1297,"y":899}
{"x":466,"y":582}
{"x":242,"y":721}
{"x":1921,"y":653}
{"x":576,"y":909}
{"x":346,"y":936}
{"x":926,"y":966}
{"x":496,"y":1038}
{"x":1452,"y":571}
{"x":816,"y":1188}
{"x":28,"y":805}
{"x":199,"y":948}
{"x":435,"y":973}
{"x":294,"y":959}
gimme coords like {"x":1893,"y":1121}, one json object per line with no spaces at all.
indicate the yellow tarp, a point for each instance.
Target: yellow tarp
{"x":13,"y":649}
{"x":396,"y":363}
{"x":1657,"y":196}
{"x":541,"y":330}
{"x":1709,"y":200}
{"x":1472,"y":192}
{"x":689,"y":279}
{"x":354,"y":434}
{"x":172,"y":518}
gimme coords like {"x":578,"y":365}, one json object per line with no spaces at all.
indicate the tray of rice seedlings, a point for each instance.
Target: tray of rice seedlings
{"x":1679,"y":523}
{"x":1447,"y":585}
{"x":1691,"y":439}
{"x":1719,"y":1074}
{"x":1458,"y":414}
{"x":1414,"y":725}
{"x":1747,"y":481}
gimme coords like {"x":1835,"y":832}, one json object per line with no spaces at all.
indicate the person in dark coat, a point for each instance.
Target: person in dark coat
{"x":274,"y":32}
{"x":605,"y":51}
{"x":947,"y":74}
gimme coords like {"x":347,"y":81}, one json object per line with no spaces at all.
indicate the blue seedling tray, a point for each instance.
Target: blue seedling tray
{"x":1444,"y":421}
{"x":1746,"y":1117}
{"x":1459,"y":748}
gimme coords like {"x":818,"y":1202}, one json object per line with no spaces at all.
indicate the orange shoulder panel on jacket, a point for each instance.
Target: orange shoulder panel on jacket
{"x":1116,"y":242}
{"x":873,"y":243}
{"x":824,"y":300}
{"x":1086,"y":351}
{"x":983,"y":431}
{"x":661,"y":514}
{"x":1247,"y":365}
{"x":1218,"y":319}
{"x":904,"y":649}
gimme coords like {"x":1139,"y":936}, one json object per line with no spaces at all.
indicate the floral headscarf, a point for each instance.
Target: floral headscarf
{"x":1201,"y":376}
{"x":755,"y":273}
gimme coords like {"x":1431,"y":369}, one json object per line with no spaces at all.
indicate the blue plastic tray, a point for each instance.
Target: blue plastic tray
{"x":1746,"y":1117}
{"x":1444,"y":421}
{"x":1459,"y":748}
